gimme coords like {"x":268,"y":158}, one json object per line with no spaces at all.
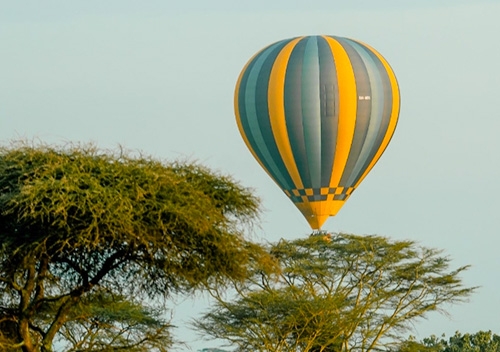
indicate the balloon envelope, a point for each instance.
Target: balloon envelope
{"x":317,"y":112}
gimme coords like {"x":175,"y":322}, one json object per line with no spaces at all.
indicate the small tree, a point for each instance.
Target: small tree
{"x":87,"y":237}
{"x":335,"y":293}
{"x":110,"y":322}
{"x":482,"y":341}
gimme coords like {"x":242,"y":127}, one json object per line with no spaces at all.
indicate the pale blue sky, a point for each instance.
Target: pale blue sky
{"x":159,"y":76}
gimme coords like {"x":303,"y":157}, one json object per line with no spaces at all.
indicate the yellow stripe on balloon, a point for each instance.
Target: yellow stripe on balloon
{"x":394,"y":114}
{"x":276,"y":108}
{"x":347,"y":108}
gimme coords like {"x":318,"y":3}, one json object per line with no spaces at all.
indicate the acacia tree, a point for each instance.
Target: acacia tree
{"x":335,"y":293}
{"x":86,"y":236}
{"x":482,"y":341}
{"x":104,"y":321}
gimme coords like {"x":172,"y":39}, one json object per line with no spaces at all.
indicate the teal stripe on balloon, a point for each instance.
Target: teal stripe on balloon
{"x":382,"y":105}
{"x":251,"y":120}
{"x":262,"y":97}
{"x":329,"y":109}
{"x":377,"y":104}
{"x":293,"y":110}
{"x":311,"y":112}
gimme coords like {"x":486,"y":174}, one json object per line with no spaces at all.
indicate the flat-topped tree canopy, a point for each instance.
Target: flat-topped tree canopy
{"x":77,"y":221}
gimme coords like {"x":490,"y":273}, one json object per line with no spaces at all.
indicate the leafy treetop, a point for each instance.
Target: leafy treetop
{"x":79,"y":221}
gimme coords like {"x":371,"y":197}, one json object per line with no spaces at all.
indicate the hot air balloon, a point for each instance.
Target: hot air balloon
{"x":317,"y":112}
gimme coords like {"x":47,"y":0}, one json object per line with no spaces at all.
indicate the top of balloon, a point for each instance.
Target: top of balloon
{"x":317,"y":112}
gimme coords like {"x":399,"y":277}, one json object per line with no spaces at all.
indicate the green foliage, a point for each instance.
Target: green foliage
{"x":430,"y":344}
{"x":78,"y":222}
{"x":335,"y":293}
{"x":106,"y":322}
{"x":482,"y":341}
